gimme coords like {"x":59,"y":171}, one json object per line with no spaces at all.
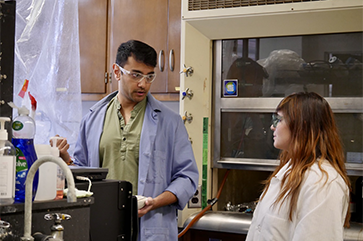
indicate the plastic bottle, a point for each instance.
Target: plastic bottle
{"x":47,"y":175}
{"x":23,"y":140}
{"x":7,"y":166}
{"x":60,"y":174}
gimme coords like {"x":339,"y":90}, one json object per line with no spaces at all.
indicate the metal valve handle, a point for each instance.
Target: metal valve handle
{"x":188,"y":71}
{"x":187,"y":93}
{"x":57,"y":217}
{"x":4,"y":224}
{"x":4,"y":227}
{"x":57,"y":228}
{"x":187,"y":117}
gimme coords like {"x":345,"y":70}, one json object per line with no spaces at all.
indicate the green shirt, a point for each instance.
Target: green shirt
{"x":119,"y":144}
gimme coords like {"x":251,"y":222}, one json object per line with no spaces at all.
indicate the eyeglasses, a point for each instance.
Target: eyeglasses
{"x":275,"y":120}
{"x":137,"y":77}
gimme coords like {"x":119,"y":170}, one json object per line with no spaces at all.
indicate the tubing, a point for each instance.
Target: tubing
{"x":199,"y":215}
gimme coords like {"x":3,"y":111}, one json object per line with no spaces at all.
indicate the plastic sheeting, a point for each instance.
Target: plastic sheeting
{"x":47,"y":54}
{"x":282,"y":63}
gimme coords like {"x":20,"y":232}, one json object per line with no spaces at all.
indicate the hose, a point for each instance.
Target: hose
{"x":209,"y":206}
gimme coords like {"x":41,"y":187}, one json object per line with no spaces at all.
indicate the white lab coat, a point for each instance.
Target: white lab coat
{"x":320,"y":213}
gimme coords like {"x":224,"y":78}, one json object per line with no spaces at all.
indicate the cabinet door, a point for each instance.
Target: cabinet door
{"x":93,"y":45}
{"x":174,"y":32}
{"x":146,"y":21}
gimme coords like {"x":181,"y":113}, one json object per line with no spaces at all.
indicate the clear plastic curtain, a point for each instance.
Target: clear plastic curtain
{"x":47,"y":54}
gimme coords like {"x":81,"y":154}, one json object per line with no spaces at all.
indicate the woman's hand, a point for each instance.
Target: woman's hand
{"x":63,"y":147}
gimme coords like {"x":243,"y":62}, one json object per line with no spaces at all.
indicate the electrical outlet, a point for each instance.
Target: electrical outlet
{"x":196,"y":200}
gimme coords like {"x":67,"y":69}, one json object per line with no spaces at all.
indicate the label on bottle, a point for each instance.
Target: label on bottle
{"x":17,"y":125}
{"x":21,"y":169}
{"x":7,"y":181}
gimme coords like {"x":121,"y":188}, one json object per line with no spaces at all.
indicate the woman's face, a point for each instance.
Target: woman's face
{"x":281,"y":133}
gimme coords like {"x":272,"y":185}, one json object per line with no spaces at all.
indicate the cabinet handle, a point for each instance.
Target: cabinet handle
{"x":171,"y":60}
{"x":106,"y":77}
{"x":161,"y":60}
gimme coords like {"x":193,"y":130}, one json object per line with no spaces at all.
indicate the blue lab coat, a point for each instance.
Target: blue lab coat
{"x":166,"y":162}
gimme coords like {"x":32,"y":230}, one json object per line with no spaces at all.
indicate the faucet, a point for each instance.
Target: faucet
{"x":4,"y":226}
{"x":71,"y":195}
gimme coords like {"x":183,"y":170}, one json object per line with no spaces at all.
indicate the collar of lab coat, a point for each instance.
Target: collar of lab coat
{"x":282,"y":171}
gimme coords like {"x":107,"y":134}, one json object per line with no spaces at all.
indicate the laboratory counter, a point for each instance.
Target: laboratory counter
{"x":227,"y":225}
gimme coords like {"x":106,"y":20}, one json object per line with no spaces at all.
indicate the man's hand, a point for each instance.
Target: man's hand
{"x":149,"y":203}
{"x":164,"y":199}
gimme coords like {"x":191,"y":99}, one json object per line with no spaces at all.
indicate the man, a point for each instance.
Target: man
{"x":141,"y":141}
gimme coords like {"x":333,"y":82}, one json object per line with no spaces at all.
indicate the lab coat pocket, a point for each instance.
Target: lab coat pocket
{"x":156,"y":167}
{"x":156,"y":234}
{"x":275,"y":228}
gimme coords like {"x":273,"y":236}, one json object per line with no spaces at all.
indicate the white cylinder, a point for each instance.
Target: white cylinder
{"x":47,"y":186}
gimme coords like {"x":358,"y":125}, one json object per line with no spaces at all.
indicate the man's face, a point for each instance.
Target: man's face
{"x":131,"y":89}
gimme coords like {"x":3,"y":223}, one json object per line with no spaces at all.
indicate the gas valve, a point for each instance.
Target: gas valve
{"x":187,"y":93}
{"x":188,"y":71}
{"x":187,"y":117}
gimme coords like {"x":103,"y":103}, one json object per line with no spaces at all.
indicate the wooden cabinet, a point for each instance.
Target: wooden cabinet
{"x":104,"y":25}
{"x":93,"y":38}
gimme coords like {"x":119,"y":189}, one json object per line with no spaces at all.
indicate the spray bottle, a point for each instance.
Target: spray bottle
{"x":7,"y":165}
{"x":23,"y":140}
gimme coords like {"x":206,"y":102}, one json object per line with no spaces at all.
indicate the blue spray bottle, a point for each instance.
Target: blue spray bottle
{"x":23,"y":128}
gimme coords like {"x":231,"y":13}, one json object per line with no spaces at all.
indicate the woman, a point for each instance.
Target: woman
{"x":307,"y":196}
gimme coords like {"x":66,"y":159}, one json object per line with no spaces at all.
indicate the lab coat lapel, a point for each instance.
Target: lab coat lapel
{"x":147,"y":141}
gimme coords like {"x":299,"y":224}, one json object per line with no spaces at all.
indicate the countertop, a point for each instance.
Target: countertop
{"x":239,"y":223}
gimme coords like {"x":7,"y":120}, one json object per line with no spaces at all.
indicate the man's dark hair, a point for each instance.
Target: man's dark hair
{"x":140,"y":51}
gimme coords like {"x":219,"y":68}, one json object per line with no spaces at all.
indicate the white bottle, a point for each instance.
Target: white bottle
{"x":7,"y":165}
{"x":47,"y":186}
{"x":60,"y":174}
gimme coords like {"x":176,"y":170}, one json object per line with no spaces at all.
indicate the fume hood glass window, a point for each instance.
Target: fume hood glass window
{"x":253,"y":75}
{"x":248,"y":135}
{"x":329,"y":64}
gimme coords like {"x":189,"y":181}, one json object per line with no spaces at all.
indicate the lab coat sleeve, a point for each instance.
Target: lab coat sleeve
{"x":80,"y":151}
{"x":185,"y":175}
{"x":321,"y":210}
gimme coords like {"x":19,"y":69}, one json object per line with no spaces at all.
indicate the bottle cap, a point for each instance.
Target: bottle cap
{"x":3,"y":131}
{"x":21,"y":110}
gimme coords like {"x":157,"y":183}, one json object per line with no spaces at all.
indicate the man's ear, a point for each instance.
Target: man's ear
{"x":116,"y":71}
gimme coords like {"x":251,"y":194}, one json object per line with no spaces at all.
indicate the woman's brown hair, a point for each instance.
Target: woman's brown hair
{"x":314,"y":135}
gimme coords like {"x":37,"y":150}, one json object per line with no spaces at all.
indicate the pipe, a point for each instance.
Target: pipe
{"x":71,"y":196}
{"x":209,"y":206}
